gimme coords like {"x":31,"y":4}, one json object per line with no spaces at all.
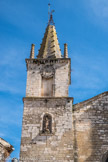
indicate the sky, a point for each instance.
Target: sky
{"x":82,"y":24}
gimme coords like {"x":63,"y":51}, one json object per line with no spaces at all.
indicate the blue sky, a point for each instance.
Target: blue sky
{"x":83,"y":24}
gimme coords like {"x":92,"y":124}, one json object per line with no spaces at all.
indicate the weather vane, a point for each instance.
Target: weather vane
{"x":50,"y":17}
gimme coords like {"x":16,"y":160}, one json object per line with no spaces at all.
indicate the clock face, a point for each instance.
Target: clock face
{"x":47,"y":71}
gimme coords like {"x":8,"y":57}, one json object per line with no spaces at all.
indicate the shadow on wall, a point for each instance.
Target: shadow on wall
{"x":105,"y":157}
{"x":75,"y":147}
{"x":90,"y":123}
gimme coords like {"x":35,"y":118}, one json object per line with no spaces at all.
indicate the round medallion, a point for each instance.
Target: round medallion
{"x":47,"y":71}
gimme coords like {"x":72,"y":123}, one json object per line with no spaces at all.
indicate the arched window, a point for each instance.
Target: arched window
{"x":47,"y":124}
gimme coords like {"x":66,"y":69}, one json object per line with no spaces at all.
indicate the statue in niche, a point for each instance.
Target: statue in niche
{"x":47,"y":123}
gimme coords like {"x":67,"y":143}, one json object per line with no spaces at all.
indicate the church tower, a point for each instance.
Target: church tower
{"x":47,"y":117}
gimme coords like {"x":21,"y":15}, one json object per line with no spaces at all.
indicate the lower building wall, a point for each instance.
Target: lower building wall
{"x":56,"y":146}
{"x":90,"y":122}
{"x":2,"y":154}
{"x":5,"y":150}
{"x":78,"y":135}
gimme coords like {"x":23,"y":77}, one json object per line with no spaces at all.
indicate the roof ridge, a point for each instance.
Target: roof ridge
{"x":92,"y":98}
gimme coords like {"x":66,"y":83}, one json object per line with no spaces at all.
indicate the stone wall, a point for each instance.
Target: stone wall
{"x":40,"y":147}
{"x":2,"y":153}
{"x":61,"y":76}
{"x":5,"y":149}
{"x":90,"y":122}
{"x":78,"y":135}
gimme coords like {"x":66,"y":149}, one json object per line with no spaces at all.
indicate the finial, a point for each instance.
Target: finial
{"x":65,"y":51}
{"x":50,"y":16}
{"x":49,"y":5}
{"x":32,"y":51}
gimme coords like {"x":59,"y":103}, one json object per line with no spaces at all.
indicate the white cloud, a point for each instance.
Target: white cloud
{"x":17,"y":12}
{"x":2,"y":134}
{"x":89,"y":74}
{"x":97,"y":10}
{"x":12,"y":68}
{"x":12,"y":117}
{"x":100,"y":7}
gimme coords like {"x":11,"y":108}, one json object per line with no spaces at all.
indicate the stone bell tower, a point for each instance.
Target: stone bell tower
{"x":47,"y":117}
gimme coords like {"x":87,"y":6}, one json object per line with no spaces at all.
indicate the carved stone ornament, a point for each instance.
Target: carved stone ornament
{"x":47,"y":71}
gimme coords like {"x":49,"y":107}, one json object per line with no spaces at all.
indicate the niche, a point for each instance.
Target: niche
{"x":47,"y":87}
{"x":47,"y":124}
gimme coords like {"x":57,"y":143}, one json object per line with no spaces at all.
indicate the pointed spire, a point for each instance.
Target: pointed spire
{"x":65,"y":51}
{"x":32,"y":51}
{"x":50,"y":46}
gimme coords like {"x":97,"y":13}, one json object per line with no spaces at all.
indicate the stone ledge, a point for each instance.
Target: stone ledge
{"x":42,"y":61}
{"x":46,"y":134}
{"x":45,"y":98}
